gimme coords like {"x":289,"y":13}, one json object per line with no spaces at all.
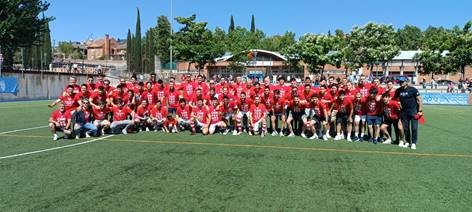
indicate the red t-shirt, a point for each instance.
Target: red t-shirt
{"x":257,"y":111}
{"x":392,"y":110}
{"x":201,"y":113}
{"x":159,"y":113}
{"x":364,"y":89}
{"x":296,"y":108}
{"x":69,"y":102}
{"x":172,"y":98}
{"x":170,"y":122}
{"x":359,"y":107}
{"x":61,"y":117}
{"x":374,"y":107}
{"x":318,"y":108}
{"x":96,"y":97}
{"x":185,"y":112}
{"x":150,"y":96}
{"x":345,"y":106}
{"x":120,"y":114}
{"x":100,"y":114}
{"x":188,"y":88}
{"x":142,"y":112}
{"x":243,"y":105}
{"x":216,"y":115}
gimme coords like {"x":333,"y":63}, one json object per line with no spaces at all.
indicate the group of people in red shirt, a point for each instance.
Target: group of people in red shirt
{"x":334,"y":108}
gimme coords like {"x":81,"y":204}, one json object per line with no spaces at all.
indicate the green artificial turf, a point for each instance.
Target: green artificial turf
{"x":159,"y":172}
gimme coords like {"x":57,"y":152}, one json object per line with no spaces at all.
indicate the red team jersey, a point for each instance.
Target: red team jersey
{"x":215,"y":114}
{"x":319,"y":109}
{"x":142,"y":112}
{"x":359,"y":107}
{"x":69,"y":102}
{"x":392,"y":110}
{"x":184,"y":112}
{"x":257,"y":111}
{"x":343,"y":107}
{"x":201,"y":113}
{"x":120,"y":114}
{"x":172,"y":98}
{"x":374,"y":107}
{"x":159,"y":113}
{"x":100,"y":114}
{"x":60,"y":117}
{"x":243,"y":105}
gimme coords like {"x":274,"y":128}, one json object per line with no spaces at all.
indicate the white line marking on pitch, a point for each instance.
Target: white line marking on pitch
{"x":54,"y":148}
{"x":26,"y":129}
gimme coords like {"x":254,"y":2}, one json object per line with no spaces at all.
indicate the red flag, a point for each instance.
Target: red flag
{"x":420,"y":119}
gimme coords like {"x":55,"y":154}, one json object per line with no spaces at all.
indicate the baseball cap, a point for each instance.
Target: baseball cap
{"x":403,"y":79}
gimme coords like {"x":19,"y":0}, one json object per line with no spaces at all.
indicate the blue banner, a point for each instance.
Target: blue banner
{"x":445,"y":98}
{"x":8,"y":85}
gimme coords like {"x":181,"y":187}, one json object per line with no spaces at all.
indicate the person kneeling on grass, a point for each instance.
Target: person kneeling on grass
{"x":158,"y":115}
{"x":345,"y":110}
{"x":170,"y":124}
{"x":216,"y":114}
{"x":120,"y":118}
{"x":391,"y":111}
{"x":82,"y":119}
{"x":257,"y":118}
{"x":100,"y":113}
{"x":60,"y":122}
{"x":201,"y":118}
{"x":142,"y":117}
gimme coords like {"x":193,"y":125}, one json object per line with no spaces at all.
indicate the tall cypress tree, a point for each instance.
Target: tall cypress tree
{"x":231,"y":25}
{"x":253,"y":24}
{"x":129,"y":50}
{"x":137,"y":44}
{"x":47,"y":47}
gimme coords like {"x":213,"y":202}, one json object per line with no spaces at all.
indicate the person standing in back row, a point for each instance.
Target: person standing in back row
{"x":411,"y":111}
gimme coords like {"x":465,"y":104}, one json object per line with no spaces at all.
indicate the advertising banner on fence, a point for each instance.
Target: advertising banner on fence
{"x":446,"y":98}
{"x":8,"y":85}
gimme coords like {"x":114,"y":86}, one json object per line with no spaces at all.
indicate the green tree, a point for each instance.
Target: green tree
{"x":137,"y":44}
{"x":373,"y":44}
{"x":231,"y":25}
{"x":461,"y":49}
{"x":129,"y":51}
{"x":315,"y":50}
{"x":149,"y":51}
{"x":253,"y":24}
{"x":409,"y":37}
{"x":66,"y":48}
{"x":47,"y":47}
{"x":162,"y":39}
{"x":20,"y":25}
{"x":434,"y":58}
{"x":195,"y":43}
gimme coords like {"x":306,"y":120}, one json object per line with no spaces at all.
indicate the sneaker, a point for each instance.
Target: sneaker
{"x":55,"y":137}
{"x":349,"y":140}
{"x":103,"y":131}
{"x":77,"y":137}
{"x":274,"y":133}
{"x":303,"y":135}
{"x":328,"y":136}
{"x":250,"y":132}
{"x":401,"y":143}
{"x":355,"y":139}
{"x":291,"y":135}
{"x":413,"y":146}
{"x":373,"y":140}
{"x":140,"y":129}
{"x":235,"y":132}
{"x":337,"y":137}
{"x":147,"y":129}
{"x":313,"y":137}
{"x":388,"y":141}
{"x":262,"y":134}
{"x":281,"y":134}
{"x":124,"y":131}
{"x":342,"y":136}
{"x":226,"y":132}
{"x":406,"y":145}
{"x":87,"y":135}
{"x":325,"y":138}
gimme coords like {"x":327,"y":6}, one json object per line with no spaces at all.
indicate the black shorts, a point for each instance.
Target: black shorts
{"x":388,"y":121}
{"x":342,"y":118}
{"x":276,"y":114}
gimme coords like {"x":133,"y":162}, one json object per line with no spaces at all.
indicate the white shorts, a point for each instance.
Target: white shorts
{"x":358,"y":118}
{"x":258,"y":124}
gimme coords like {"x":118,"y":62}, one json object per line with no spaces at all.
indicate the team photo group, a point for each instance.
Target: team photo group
{"x":325,"y":109}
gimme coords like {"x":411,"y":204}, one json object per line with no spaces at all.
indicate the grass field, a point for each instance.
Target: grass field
{"x":158,"y":172}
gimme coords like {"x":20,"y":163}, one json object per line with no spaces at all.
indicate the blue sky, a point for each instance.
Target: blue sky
{"x":76,"y":20}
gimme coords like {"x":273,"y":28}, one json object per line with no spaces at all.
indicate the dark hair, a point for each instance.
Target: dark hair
{"x":341,"y":92}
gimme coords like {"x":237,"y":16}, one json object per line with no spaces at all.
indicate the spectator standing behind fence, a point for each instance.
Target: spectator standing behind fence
{"x":412,"y":110}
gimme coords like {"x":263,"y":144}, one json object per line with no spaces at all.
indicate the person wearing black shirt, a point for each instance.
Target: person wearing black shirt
{"x":412,"y":109}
